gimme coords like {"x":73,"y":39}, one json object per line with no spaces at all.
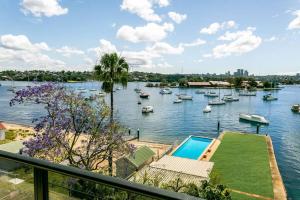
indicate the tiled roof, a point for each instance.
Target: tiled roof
{"x":2,"y":127}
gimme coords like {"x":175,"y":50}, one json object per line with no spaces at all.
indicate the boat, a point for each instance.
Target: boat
{"x":185,"y":97}
{"x":211,"y":94}
{"x":216,"y":102}
{"x":269,"y":97}
{"x":147,"y":109}
{"x":230,"y":98}
{"x":137,"y":90}
{"x":101,"y":94}
{"x":182,"y":94}
{"x":177,"y":101}
{"x":93,"y":90}
{"x":207,"y":109}
{"x":296,"y":108}
{"x":118,"y":88}
{"x":247,"y":93}
{"x":81,"y":88}
{"x":253,"y":118}
{"x":200,"y":92}
{"x":139,"y":102}
{"x":144,"y":95}
{"x":165,"y":91}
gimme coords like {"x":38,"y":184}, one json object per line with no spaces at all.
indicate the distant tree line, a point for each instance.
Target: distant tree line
{"x":161,"y":79}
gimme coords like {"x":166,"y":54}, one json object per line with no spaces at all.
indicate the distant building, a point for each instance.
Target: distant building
{"x":199,"y":84}
{"x":241,"y":73}
{"x":127,"y":165}
{"x":220,"y":83}
{"x":2,"y":131}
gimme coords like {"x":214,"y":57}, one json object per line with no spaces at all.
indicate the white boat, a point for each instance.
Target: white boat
{"x":211,"y":94}
{"x":144,"y":95}
{"x":216,"y":102}
{"x":269,"y":97}
{"x":207,"y":109}
{"x":177,"y":101}
{"x":118,"y":88}
{"x":296,"y":108}
{"x":137,"y":90}
{"x":101,"y":94}
{"x":185,"y":97}
{"x":230,"y":98}
{"x":81,"y":88}
{"x":147,"y":109}
{"x":165,"y":91}
{"x":254,"y":118}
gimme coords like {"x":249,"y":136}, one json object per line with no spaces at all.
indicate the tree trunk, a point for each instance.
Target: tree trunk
{"x":110,"y":158}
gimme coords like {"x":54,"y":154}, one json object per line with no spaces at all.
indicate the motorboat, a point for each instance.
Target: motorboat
{"x":253,"y":118}
{"x":216,"y":102}
{"x":147,"y":109}
{"x":200,"y":92}
{"x":137,"y":90}
{"x":144,"y":95}
{"x":296,"y":108}
{"x":183,"y":94}
{"x":177,"y":101}
{"x":207,"y":109}
{"x":185,"y":97}
{"x":211,"y":94}
{"x":165,"y":91}
{"x":118,"y":88}
{"x":247,"y":93}
{"x":230,"y":98}
{"x":269,"y":97}
{"x":101,"y":94}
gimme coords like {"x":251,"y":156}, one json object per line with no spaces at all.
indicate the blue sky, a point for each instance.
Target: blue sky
{"x":167,"y":36}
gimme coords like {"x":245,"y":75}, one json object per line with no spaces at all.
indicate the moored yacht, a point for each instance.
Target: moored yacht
{"x":296,"y":108}
{"x":216,"y":102}
{"x":147,"y":109}
{"x":165,"y":91}
{"x":177,"y":101}
{"x":269,"y":97}
{"x":253,"y":118}
{"x":230,"y":98}
{"x":144,"y":95}
{"x":200,"y":92}
{"x":247,"y":93}
{"x":207,"y":109}
{"x":185,"y":97}
{"x":211,"y":94}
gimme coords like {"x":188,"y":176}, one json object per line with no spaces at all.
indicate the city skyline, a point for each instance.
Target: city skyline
{"x":164,"y":36}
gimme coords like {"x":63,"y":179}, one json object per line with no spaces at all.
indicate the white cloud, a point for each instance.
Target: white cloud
{"x":18,"y":49}
{"x":197,"y":42}
{"x":151,"y":32}
{"x":144,"y":8}
{"x":240,"y":42}
{"x":68,"y":51}
{"x":215,"y":27}
{"x":165,"y":48}
{"x":176,"y":17}
{"x":39,"y":8}
{"x":295,"y":23}
{"x":207,"y":55}
{"x":21,"y":42}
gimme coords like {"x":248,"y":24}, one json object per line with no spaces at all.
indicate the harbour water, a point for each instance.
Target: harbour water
{"x":174,"y":122}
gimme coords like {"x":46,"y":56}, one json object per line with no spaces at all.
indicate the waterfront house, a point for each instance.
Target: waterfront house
{"x":2,"y":131}
{"x":11,"y":147}
{"x":128,"y":164}
{"x":220,"y":83}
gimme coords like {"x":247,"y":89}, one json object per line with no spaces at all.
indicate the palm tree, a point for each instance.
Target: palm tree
{"x":112,"y":69}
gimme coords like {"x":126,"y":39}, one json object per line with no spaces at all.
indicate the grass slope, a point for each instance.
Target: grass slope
{"x":242,"y":162}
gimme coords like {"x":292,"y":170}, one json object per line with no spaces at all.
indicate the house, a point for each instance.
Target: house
{"x":2,"y":131}
{"x":127,"y":165}
{"x":199,"y":84}
{"x":220,"y":83}
{"x":12,"y":147}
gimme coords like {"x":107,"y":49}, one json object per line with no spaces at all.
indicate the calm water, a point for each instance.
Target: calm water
{"x":174,"y":122}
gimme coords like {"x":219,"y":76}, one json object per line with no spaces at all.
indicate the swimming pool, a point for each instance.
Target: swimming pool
{"x":193,"y":147}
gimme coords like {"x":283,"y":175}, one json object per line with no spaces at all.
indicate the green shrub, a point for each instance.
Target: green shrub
{"x":10,"y":135}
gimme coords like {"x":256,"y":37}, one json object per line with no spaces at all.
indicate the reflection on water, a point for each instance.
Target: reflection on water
{"x":171,"y":122}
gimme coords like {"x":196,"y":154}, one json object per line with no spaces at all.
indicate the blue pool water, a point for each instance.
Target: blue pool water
{"x":192,"y":148}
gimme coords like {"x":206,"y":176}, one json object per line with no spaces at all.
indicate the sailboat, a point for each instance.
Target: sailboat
{"x":230,"y":97}
{"x":217,"y":102}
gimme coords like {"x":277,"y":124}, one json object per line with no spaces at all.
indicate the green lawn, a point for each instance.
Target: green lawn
{"x":242,"y":162}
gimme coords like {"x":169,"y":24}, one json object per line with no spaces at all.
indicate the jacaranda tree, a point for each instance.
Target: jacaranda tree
{"x":74,"y":130}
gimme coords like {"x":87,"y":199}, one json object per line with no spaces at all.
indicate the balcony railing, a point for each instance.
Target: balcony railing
{"x":42,"y":182}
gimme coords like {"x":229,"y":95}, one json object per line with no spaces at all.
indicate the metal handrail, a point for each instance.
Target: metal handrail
{"x":94,"y":177}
